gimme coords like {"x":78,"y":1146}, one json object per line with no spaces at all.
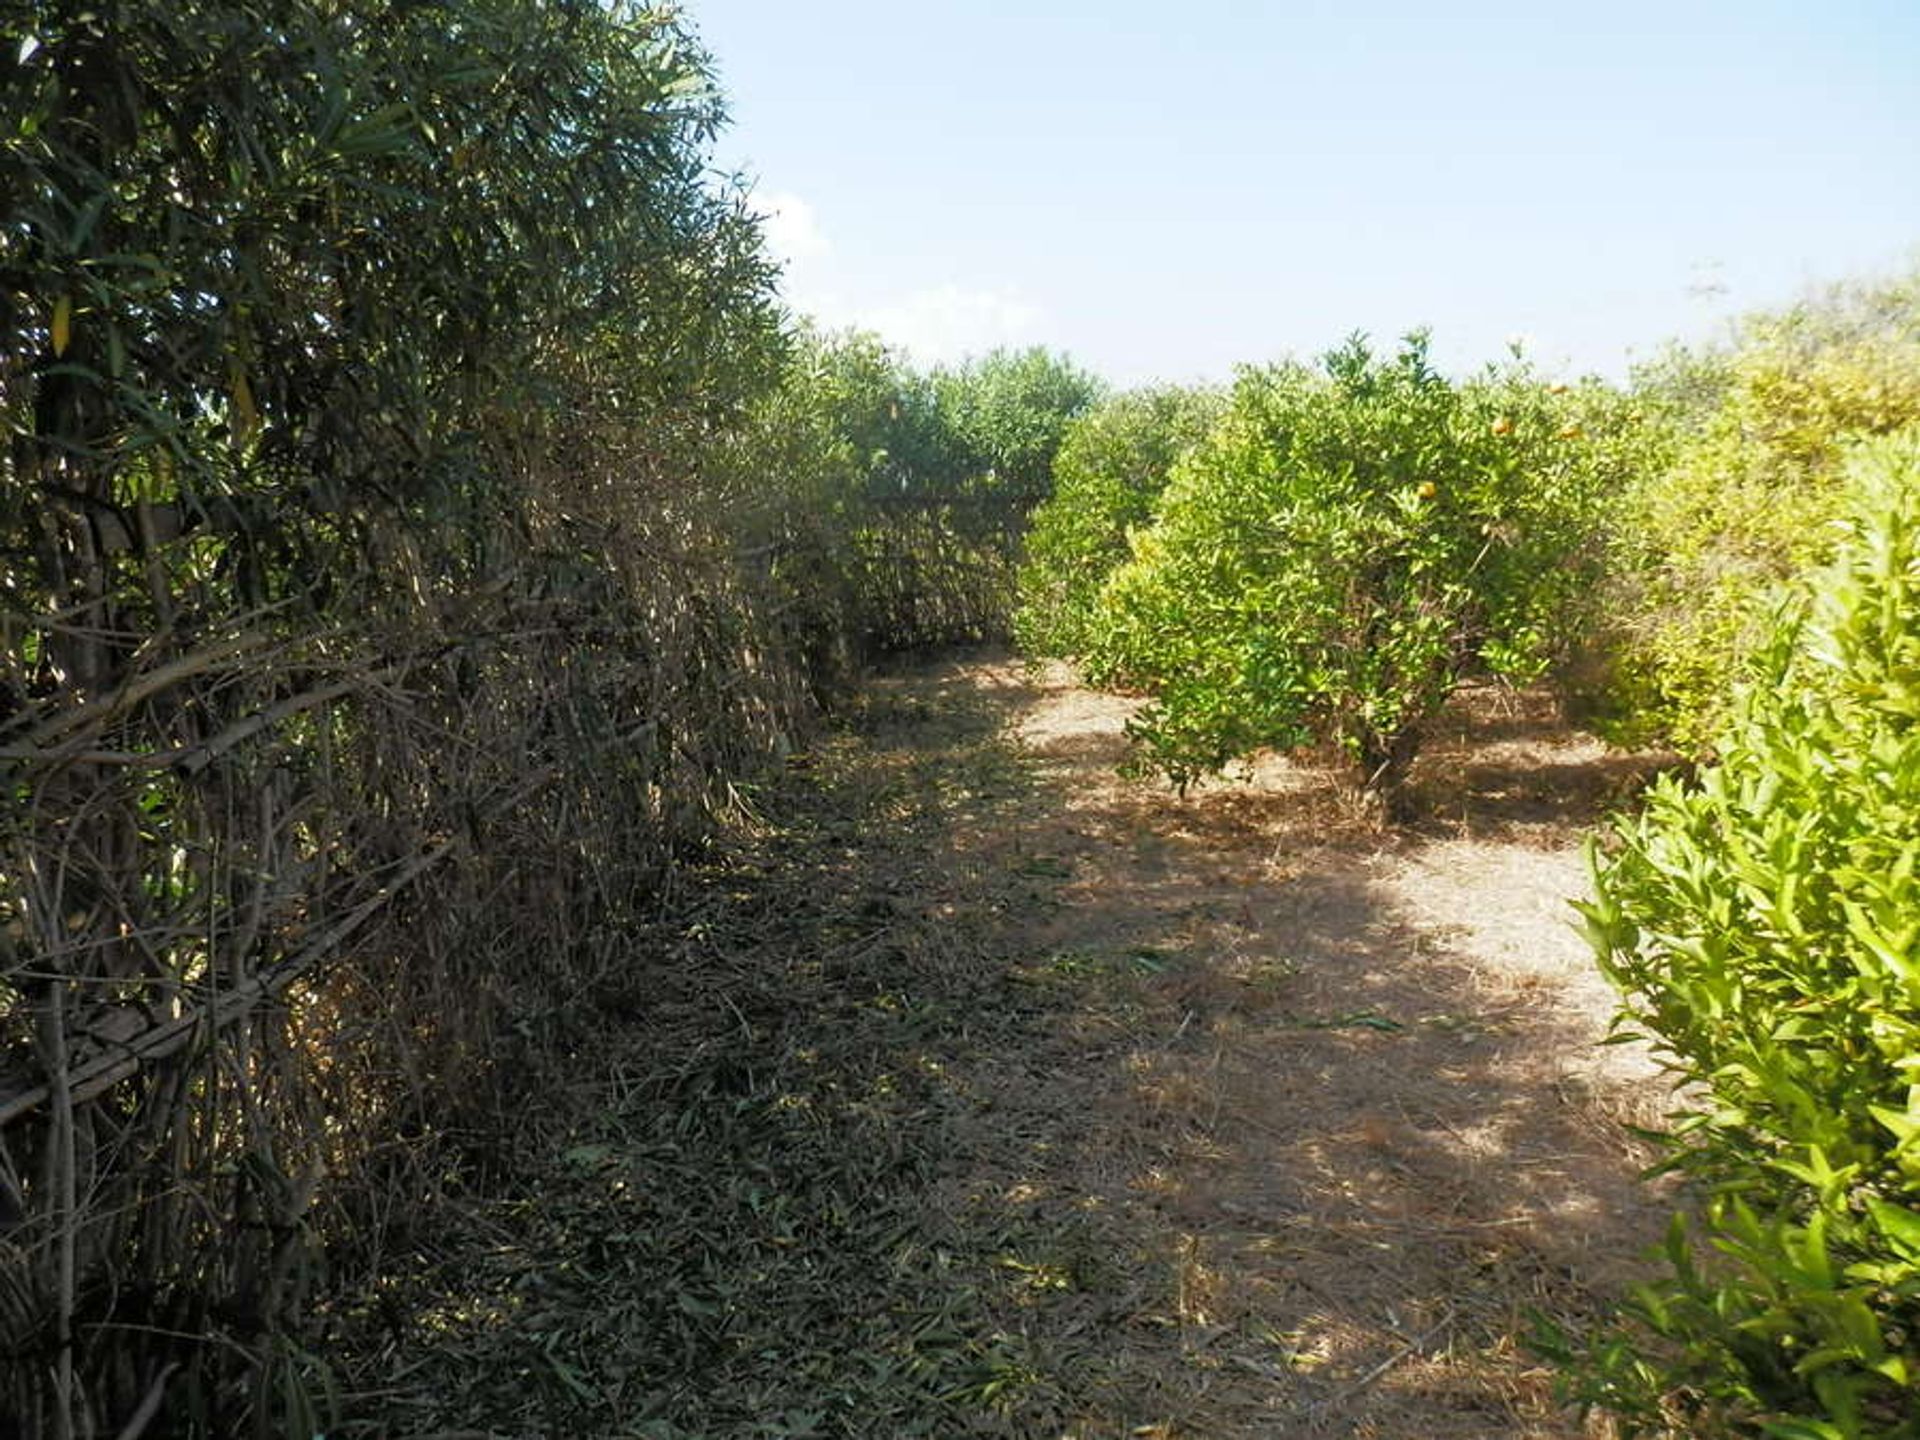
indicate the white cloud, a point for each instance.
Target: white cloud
{"x":791,"y":227}
{"x":936,"y":325}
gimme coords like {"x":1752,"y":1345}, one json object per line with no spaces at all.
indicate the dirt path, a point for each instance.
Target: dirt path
{"x":1359,"y":1083}
{"x":991,"y":1093}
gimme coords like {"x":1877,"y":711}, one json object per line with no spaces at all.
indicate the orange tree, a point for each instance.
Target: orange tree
{"x":1349,"y":544}
{"x":1763,"y":924}
{"x":1745,"y":498}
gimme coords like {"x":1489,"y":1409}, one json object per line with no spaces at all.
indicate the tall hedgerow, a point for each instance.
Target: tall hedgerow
{"x":1006,"y":414}
{"x":371,"y":648}
{"x":846,"y":423}
{"x":1763,"y":924}
{"x":883,"y":506}
{"x":1113,"y":464}
{"x":1348,"y":544}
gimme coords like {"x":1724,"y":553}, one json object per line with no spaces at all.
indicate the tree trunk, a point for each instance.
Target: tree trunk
{"x":1386,"y":762}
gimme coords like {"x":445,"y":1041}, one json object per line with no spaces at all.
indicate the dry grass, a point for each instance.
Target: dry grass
{"x":1354,"y":1080}
{"x":977,"y":1090}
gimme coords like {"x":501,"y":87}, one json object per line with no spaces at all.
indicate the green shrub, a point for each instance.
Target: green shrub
{"x":1343,"y":549}
{"x":1006,"y":414}
{"x":882,"y":507}
{"x":1763,"y":924}
{"x":1113,"y":463}
{"x":1742,"y":504}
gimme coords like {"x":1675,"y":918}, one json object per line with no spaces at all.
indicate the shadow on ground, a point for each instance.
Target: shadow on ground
{"x":1346,"y":1079}
{"x":975,"y":1090}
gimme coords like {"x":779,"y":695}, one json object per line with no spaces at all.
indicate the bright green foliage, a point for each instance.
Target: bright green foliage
{"x":1342,"y":550}
{"x":870,"y":498}
{"x":1113,"y":463}
{"x":1707,"y":537}
{"x":1007,"y":414}
{"x":1764,"y":926}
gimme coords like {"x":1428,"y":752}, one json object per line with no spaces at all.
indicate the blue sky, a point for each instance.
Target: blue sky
{"x":1165,"y":189}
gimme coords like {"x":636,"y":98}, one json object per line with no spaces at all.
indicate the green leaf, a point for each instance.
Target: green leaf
{"x":1899,"y":1224}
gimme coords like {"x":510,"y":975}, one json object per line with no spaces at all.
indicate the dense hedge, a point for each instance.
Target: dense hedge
{"x":414,"y":519}
{"x":1762,"y":923}
{"x":884,"y":506}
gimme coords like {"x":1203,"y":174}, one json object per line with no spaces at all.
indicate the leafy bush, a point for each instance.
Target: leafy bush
{"x":1007,"y":414}
{"x":800,"y":475}
{"x":1764,"y":926}
{"x":1344,"y":548}
{"x":1742,"y":503}
{"x":881,"y":506}
{"x":1113,"y":463}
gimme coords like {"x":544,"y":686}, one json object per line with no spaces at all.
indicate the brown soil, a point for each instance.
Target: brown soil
{"x":1348,"y":1080}
{"x":974,"y":1089}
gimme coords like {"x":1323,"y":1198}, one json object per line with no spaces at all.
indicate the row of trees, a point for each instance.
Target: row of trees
{"x":364,"y":643}
{"x":415,"y":513}
{"x":1324,"y":552}
{"x":1722,"y":557}
{"x":884,"y":505}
